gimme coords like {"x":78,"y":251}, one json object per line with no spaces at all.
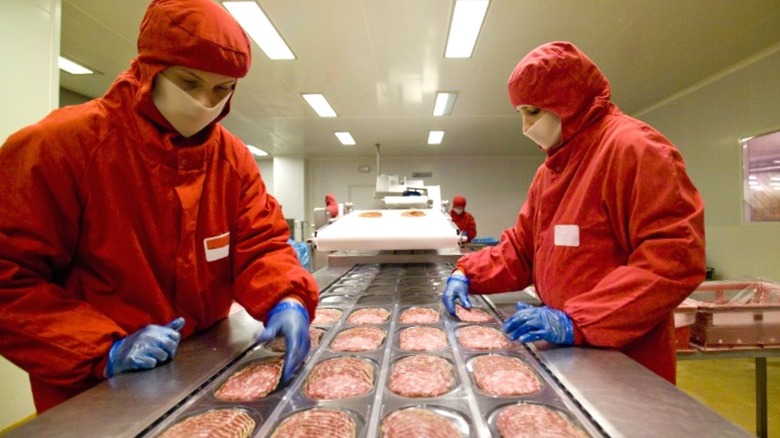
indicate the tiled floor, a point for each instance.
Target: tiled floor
{"x":728,"y":387}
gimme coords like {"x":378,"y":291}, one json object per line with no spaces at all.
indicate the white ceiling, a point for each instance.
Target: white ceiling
{"x":380,"y":63}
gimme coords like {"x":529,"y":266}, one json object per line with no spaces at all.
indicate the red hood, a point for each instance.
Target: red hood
{"x":558,"y":77}
{"x":198,"y":34}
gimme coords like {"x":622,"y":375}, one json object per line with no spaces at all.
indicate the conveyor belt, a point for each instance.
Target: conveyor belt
{"x":394,"y":289}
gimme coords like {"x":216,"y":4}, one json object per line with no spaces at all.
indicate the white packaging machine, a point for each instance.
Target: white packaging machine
{"x":389,"y":229}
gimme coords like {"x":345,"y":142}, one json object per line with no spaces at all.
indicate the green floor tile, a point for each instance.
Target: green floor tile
{"x":728,"y":387}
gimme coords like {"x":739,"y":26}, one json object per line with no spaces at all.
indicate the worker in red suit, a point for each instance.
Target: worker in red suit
{"x":463,"y":219}
{"x":612,"y":231}
{"x":331,"y":206}
{"x":134,"y":220}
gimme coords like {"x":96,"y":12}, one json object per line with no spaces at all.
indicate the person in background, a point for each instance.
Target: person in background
{"x":331,"y":206}
{"x":463,"y":219}
{"x":612,"y":231}
{"x":135,"y":220}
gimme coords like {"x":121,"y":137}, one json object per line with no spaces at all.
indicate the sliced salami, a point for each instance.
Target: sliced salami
{"x":314,"y":333}
{"x":326,"y":316}
{"x":421,"y":375}
{"x":526,"y":420}
{"x":419,"y":315}
{"x":504,"y":376}
{"x":358,"y":339}
{"x":252,"y":382}
{"x":229,"y":423}
{"x":326,"y":423}
{"x":422,"y":338}
{"x":340,"y":378}
{"x":418,"y":422}
{"x":472,"y":315}
{"x":479,"y":337}
{"x":369,"y":315}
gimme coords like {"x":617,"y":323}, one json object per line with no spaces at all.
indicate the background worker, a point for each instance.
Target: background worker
{"x":612,"y":231}
{"x":463,"y":219}
{"x":135,"y":220}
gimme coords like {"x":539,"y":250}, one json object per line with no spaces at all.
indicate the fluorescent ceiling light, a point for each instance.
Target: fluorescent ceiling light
{"x":345,"y":138}
{"x":435,"y":137}
{"x":320,"y":105}
{"x":257,"y":151}
{"x":259,"y":27}
{"x":466,"y":23}
{"x":444,"y":103}
{"x":73,"y":68}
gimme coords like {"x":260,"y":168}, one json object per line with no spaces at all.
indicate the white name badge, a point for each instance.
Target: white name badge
{"x":567,"y":235}
{"x":217,"y":247}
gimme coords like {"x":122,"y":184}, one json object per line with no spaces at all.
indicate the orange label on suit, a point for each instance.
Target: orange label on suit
{"x":217,"y":247}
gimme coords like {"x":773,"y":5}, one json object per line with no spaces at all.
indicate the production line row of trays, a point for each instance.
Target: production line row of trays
{"x":376,"y":398}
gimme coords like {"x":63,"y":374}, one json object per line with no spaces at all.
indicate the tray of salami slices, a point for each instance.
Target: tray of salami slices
{"x":388,"y":361}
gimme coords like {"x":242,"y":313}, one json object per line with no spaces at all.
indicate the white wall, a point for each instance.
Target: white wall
{"x":267,"y":173}
{"x":706,"y":123}
{"x":30,"y":90}
{"x":289,"y":188}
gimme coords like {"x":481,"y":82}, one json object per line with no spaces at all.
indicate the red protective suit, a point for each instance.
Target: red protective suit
{"x":464,"y":221}
{"x":112,"y":221}
{"x":612,"y":231}
{"x":331,"y":205}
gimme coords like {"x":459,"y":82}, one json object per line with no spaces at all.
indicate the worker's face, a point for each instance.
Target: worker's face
{"x":458,"y":210}
{"x":207,"y":88}
{"x":541,"y":126}
{"x":530,"y":115}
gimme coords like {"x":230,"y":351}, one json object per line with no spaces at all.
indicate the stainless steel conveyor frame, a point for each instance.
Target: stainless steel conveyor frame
{"x":623,"y":398}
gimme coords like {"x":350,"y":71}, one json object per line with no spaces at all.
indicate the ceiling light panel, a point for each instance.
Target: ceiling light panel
{"x":257,"y":151}
{"x":345,"y":138}
{"x":72,"y":67}
{"x":319,"y":104}
{"x":467,"y":19}
{"x":444,"y":103}
{"x":260,"y":29}
{"x":435,"y":137}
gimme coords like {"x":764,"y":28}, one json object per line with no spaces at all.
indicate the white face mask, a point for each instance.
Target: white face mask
{"x":546,"y":132}
{"x":187,"y":115}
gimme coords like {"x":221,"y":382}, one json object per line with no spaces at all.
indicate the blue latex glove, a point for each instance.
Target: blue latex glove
{"x":457,"y":289}
{"x":292,"y":321}
{"x":531,"y":323}
{"x":144,"y":349}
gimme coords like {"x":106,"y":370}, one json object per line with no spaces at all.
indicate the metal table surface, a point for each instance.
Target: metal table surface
{"x":126,"y":404}
{"x":621,"y":396}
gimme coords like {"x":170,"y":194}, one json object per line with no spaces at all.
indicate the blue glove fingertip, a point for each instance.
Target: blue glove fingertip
{"x":177,"y":324}
{"x":111,"y":355}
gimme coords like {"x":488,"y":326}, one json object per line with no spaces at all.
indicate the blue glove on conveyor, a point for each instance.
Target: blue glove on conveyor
{"x":292,"y":321}
{"x":144,"y":349}
{"x":457,"y":289}
{"x":531,"y":323}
